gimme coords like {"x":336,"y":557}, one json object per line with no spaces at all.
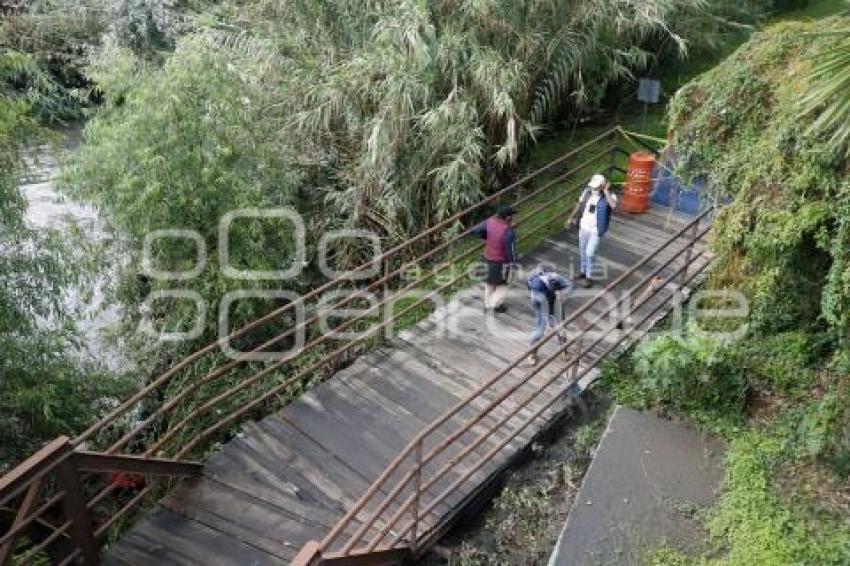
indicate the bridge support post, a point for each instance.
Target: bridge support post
{"x":76,"y":512}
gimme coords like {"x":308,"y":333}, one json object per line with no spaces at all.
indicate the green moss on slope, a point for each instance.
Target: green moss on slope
{"x":785,"y":238}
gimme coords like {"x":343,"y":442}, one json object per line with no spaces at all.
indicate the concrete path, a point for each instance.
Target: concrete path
{"x":648,"y":479}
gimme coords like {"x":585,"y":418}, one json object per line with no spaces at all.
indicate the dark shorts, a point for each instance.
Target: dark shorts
{"x":497,"y":272}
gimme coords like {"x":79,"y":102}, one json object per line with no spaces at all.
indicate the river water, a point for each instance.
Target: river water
{"x":49,"y":209}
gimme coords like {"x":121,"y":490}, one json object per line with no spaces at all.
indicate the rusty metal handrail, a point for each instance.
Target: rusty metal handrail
{"x":576,"y":376}
{"x":57,"y":470}
{"x":416,"y":442}
{"x":162,"y":379}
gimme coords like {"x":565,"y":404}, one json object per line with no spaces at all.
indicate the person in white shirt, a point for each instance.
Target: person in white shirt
{"x":592,"y":216}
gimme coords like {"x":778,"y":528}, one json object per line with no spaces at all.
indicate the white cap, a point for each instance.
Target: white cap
{"x":596,"y":181}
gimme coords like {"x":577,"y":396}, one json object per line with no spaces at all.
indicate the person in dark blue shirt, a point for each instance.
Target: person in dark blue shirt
{"x":544,"y":285}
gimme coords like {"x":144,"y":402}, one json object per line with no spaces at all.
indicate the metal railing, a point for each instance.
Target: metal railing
{"x":398,"y":503}
{"x":155,"y":432}
{"x":53,"y":477}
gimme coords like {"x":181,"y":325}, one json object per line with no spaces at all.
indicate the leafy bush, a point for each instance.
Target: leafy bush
{"x":689,"y":375}
{"x":818,"y":431}
{"x":585,"y":441}
{"x":180,"y":149}
{"x":146,"y":26}
{"x":43,"y":48}
{"x":786,"y":363}
{"x":22,"y":76}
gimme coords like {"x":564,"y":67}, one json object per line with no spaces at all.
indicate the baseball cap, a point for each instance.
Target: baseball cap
{"x":505,"y":211}
{"x":596,"y":181}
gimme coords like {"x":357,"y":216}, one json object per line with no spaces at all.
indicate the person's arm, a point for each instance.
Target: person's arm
{"x":571,"y":219}
{"x":611,"y":197}
{"x":510,"y":245}
{"x":561,"y":283}
{"x":575,"y":215}
{"x":480,"y":231}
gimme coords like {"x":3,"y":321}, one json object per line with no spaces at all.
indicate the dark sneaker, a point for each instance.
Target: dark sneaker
{"x":585,"y":282}
{"x":500,"y":309}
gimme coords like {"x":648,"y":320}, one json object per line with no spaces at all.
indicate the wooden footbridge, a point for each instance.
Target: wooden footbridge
{"x":354,"y":450}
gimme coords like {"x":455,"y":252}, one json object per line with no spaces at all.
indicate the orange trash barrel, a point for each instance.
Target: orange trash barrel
{"x":638,"y":183}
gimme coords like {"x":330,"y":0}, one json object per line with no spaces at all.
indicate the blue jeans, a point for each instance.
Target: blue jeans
{"x":588,"y":241}
{"x":544,"y":312}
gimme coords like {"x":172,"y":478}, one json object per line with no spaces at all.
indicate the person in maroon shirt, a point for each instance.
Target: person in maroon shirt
{"x":499,"y":254}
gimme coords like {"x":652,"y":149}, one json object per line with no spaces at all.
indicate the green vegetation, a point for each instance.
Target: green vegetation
{"x":45,"y":46}
{"x":784,"y":238}
{"x":784,"y":498}
{"x":44,"y":392}
{"x":388,"y":119}
{"x":42,"y":53}
{"x":697,"y":376}
{"x":779,"y":395}
{"x":828,"y":100}
{"x":759,"y":527}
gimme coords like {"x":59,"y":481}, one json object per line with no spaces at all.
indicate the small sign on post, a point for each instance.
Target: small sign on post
{"x":649,"y":92}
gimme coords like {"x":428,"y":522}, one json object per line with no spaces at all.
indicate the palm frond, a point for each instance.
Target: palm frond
{"x":828,"y":98}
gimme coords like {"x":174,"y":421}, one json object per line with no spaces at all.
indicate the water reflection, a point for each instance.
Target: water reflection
{"x":48,"y":208}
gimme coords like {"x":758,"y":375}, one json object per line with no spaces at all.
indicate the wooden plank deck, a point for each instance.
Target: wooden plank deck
{"x":288,"y":478}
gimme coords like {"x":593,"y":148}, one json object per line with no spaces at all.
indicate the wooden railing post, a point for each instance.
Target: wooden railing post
{"x":75,"y":510}
{"x":417,"y":487}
